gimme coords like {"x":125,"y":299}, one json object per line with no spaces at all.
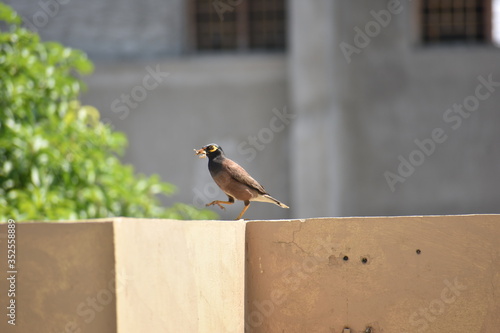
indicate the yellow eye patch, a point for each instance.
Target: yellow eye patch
{"x":211,"y":149}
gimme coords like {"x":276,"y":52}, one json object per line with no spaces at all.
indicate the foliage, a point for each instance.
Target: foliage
{"x":57,"y":160}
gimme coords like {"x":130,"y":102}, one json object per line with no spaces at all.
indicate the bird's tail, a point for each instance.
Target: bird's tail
{"x":268,"y":198}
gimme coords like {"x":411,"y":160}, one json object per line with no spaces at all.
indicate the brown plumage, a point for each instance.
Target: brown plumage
{"x":233,"y":180}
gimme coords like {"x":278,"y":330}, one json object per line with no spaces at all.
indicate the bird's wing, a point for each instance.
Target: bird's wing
{"x":240,"y":175}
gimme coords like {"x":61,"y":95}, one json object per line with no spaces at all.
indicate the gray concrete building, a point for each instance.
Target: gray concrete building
{"x":380,"y":107}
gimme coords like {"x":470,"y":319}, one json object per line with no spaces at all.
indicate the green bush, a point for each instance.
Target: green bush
{"x":57,"y":160}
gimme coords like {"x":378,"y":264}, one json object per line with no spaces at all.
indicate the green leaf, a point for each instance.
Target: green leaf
{"x":57,"y":160}
{"x":8,"y":15}
{"x":35,"y":176}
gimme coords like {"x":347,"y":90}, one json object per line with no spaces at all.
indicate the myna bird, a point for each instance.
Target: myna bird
{"x":233,"y":180}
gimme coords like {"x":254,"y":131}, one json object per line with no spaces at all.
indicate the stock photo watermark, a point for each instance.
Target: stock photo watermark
{"x":423,"y":317}
{"x":225,"y":6}
{"x":373,"y":28}
{"x":11,"y":272}
{"x":292,"y":278}
{"x":48,"y":10}
{"x":202,"y":197}
{"x":453,"y":117}
{"x":126,"y":102}
{"x":88,"y":309}
{"x":258,"y":142}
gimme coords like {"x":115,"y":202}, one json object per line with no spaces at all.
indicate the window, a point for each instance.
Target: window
{"x":239,"y":25}
{"x":456,"y":21}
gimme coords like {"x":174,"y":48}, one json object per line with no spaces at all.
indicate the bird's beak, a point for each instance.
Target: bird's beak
{"x":201,"y":152}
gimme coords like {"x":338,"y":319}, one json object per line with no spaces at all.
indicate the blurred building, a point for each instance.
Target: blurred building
{"x":379,"y":107}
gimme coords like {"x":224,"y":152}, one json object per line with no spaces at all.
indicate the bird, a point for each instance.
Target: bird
{"x":233,"y":180}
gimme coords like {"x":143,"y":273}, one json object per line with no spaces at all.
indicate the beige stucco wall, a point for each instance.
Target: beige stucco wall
{"x":65,"y":278}
{"x":182,"y":276}
{"x":312,"y":275}
{"x":127,"y":275}
{"x":298,"y":280}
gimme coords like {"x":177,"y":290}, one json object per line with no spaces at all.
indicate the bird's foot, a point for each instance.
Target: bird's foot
{"x":216,"y":202}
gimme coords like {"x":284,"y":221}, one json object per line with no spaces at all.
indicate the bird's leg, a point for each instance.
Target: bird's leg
{"x":219,"y":202}
{"x":247,"y":204}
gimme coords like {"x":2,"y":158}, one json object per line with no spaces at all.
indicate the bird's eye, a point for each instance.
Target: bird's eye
{"x":211,"y":149}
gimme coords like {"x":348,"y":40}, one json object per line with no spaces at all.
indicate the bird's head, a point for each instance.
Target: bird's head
{"x":212,"y":150}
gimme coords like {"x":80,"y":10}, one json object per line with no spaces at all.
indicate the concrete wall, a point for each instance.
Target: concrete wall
{"x":358,"y":114}
{"x":390,"y":274}
{"x":397,"y":92}
{"x":110,"y":29}
{"x":126,"y":275}
{"x":400,"y":274}
{"x":181,"y":276}
{"x":65,"y":279}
